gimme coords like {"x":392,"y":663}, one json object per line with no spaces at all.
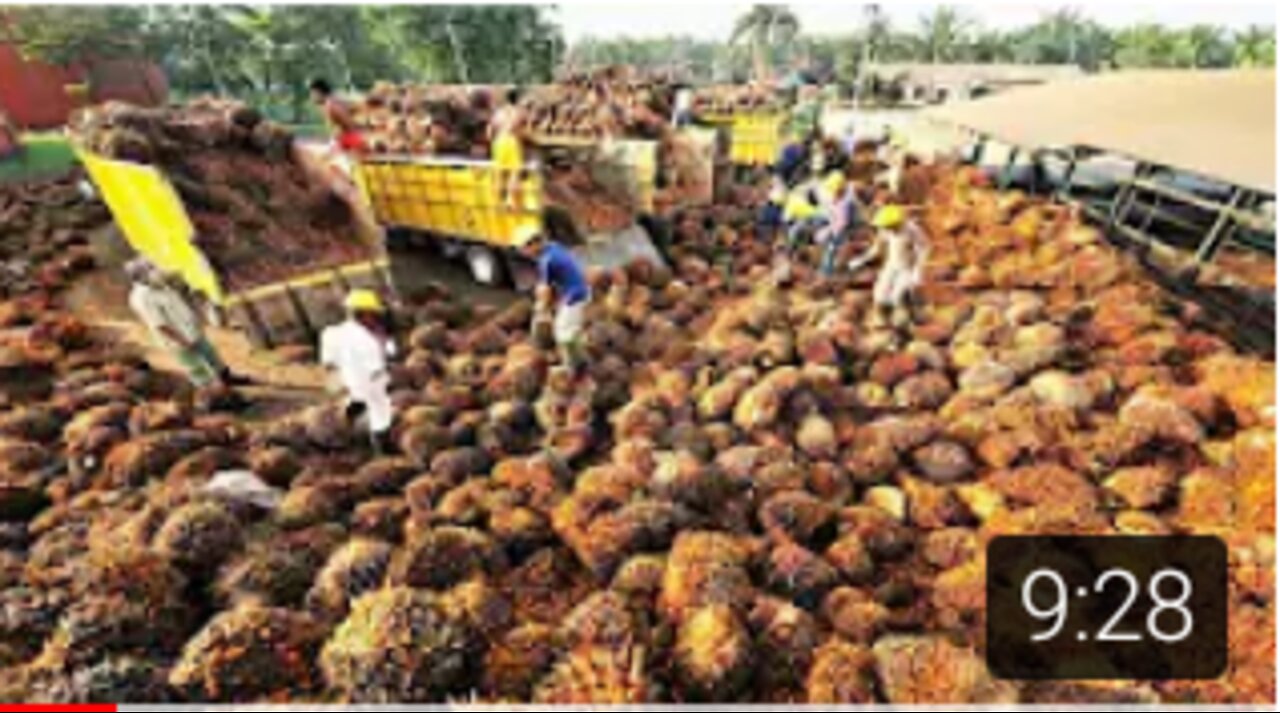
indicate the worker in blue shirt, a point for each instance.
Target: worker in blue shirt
{"x":769,"y":221}
{"x":793,"y":160}
{"x":562,"y":281}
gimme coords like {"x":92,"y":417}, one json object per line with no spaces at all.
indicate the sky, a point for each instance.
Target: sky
{"x":714,"y":20}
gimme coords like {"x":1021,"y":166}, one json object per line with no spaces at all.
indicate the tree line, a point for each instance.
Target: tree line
{"x":769,"y":39}
{"x":266,"y":54}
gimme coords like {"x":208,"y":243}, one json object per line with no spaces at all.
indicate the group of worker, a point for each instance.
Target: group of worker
{"x":803,"y":205}
{"x":806,"y":204}
{"x":358,"y":350}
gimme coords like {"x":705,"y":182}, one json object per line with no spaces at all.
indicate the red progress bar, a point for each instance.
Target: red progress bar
{"x":34,"y":708}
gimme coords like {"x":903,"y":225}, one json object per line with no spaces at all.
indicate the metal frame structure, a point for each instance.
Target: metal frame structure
{"x":1140,"y":201}
{"x":1143,"y":197}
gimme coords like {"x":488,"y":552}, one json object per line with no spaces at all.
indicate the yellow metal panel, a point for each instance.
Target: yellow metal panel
{"x":153,"y":219}
{"x":756,"y":139}
{"x":455,"y":198}
{"x":312,"y":279}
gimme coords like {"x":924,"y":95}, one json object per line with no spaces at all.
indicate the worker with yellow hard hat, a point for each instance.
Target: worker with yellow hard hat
{"x":357,"y":351}
{"x":889,"y":217}
{"x":904,"y":247}
{"x":803,"y":215}
{"x":843,"y":214}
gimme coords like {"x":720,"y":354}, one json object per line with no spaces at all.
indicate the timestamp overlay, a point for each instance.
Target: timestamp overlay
{"x":1090,"y":607}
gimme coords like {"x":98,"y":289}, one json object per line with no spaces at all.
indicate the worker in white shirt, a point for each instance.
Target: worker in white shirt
{"x":905,"y":249}
{"x":682,"y":113}
{"x":357,"y":351}
{"x":175,"y":326}
{"x":894,"y":155}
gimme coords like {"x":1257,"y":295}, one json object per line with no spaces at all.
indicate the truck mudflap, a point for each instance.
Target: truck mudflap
{"x":614,"y":250}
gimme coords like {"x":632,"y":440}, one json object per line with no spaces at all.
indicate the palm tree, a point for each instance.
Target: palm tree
{"x":1255,"y":46}
{"x":1206,"y":46}
{"x":1146,"y":45}
{"x":455,"y":47}
{"x":767,"y":26}
{"x":877,"y":33}
{"x":942,"y":33}
{"x":991,"y":46}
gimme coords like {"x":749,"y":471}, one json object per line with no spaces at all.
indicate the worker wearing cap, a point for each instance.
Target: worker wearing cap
{"x":803,"y":216}
{"x":803,"y":213}
{"x":905,"y":248}
{"x":840,"y":202}
{"x":562,"y":281}
{"x":357,"y":351}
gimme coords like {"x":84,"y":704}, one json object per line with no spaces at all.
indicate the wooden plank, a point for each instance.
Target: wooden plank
{"x":309,"y":280}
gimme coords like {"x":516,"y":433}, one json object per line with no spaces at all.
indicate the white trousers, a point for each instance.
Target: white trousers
{"x":893,"y":285}
{"x":570,"y":320}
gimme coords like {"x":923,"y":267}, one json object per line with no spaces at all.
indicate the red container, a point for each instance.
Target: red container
{"x":38,"y":95}
{"x":33,"y":93}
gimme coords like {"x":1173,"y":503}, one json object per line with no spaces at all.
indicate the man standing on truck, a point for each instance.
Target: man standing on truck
{"x":357,"y":351}
{"x":682,"y":112}
{"x":339,"y":117}
{"x":505,"y":130}
{"x":905,"y":248}
{"x":174,"y":326}
{"x":562,"y":281}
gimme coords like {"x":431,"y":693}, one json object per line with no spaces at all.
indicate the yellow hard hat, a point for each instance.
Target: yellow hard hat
{"x":890,"y":216}
{"x":834,"y":182}
{"x":798,"y":206}
{"x":526,"y":233}
{"x":363,"y":301}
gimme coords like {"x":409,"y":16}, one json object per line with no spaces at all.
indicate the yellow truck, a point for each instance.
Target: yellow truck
{"x":152,"y":218}
{"x":754,"y":138}
{"x":458,"y":204}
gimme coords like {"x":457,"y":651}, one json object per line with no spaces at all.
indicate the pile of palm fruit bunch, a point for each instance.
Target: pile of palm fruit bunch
{"x":612,"y":101}
{"x":45,"y":227}
{"x":426,"y":120}
{"x":752,"y":493}
{"x":258,"y":218}
{"x":572,"y":186}
{"x":731,"y":99}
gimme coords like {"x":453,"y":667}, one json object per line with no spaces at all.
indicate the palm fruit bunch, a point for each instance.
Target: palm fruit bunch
{"x":258,"y":215}
{"x":754,"y":490}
